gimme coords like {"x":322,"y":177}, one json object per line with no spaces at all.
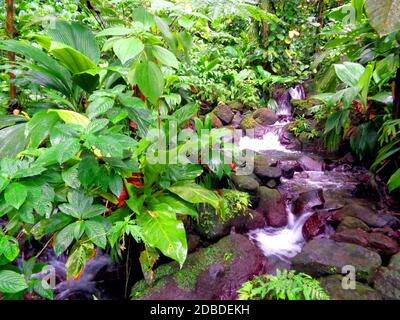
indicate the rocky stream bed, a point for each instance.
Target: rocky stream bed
{"x":311,"y":212}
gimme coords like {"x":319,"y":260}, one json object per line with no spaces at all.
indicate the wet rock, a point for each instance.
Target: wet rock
{"x":287,"y":171}
{"x":387,"y":282}
{"x":237,"y":119}
{"x":213,"y":273}
{"x":237,"y":106}
{"x":251,"y":220}
{"x":395,"y":262}
{"x":375,"y":241}
{"x":248,"y":123}
{"x":314,"y":227}
{"x":245,"y":183}
{"x":263,"y":170}
{"x":356,"y":236}
{"x":224,"y":113}
{"x":265,"y":117}
{"x":216,"y":122}
{"x":193,"y":241}
{"x":310,"y":164}
{"x":383,"y":244}
{"x":324,"y":256}
{"x":364,"y":213}
{"x":308,"y":201}
{"x":352,"y":223}
{"x":265,"y":160}
{"x":333,"y":285}
{"x":210,"y":226}
{"x":271,"y":184}
{"x":272,"y":205}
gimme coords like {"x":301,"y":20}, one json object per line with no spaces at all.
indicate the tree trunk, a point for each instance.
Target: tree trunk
{"x":10,"y":30}
{"x":396,"y":96}
{"x":264,"y":5}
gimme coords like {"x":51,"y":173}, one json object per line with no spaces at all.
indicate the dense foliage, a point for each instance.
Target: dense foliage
{"x":95,"y":79}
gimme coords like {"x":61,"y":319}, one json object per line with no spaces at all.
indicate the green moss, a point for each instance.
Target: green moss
{"x":248,"y":123}
{"x":332,"y":270}
{"x":304,"y":104}
{"x":186,"y":278}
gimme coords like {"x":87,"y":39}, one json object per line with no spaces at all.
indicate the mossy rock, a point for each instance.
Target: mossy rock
{"x":265,"y":117}
{"x":213,"y":273}
{"x":302,"y":107}
{"x":237,"y":106}
{"x":333,"y":285}
{"x":248,"y":123}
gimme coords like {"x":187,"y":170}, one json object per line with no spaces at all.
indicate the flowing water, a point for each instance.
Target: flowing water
{"x":285,"y":243}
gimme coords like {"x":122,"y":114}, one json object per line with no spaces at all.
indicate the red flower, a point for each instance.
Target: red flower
{"x":133,"y":125}
{"x":232,"y":166}
{"x":122,"y":197}
{"x":136,"y":179}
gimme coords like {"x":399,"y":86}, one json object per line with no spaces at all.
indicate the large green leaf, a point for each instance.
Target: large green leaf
{"x":76,"y":36}
{"x":349,"y":72}
{"x":178,"y":205}
{"x":71,"y":117}
{"x":12,"y":140}
{"x":72,"y":59}
{"x":52,"y":66}
{"x":127,"y":49}
{"x":60,"y":153}
{"x":99,"y":106}
{"x":195,"y":193}
{"x":394,"y":182}
{"x":12,"y":282}
{"x":9,"y":247}
{"x":143,"y":16}
{"x":78,"y":258}
{"x":15,"y":194}
{"x":38,"y":128}
{"x":186,"y":113}
{"x":96,"y":233}
{"x":150,"y":80}
{"x":88,"y":80}
{"x":46,"y":226}
{"x":64,"y":239}
{"x":161,"y":229}
{"x":165,"y":56}
{"x":384,"y":15}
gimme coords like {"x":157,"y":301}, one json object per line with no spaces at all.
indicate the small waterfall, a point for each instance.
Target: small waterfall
{"x":284,"y":243}
{"x":269,"y":142}
{"x":297,"y":92}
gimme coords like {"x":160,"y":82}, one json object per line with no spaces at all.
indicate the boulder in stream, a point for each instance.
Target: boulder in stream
{"x":333,"y":285}
{"x":308,"y":201}
{"x":272,"y":205}
{"x":224,"y":113}
{"x":265,"y":117}
{"x":361,"y":212}
{"x":314,"y":227}
{"x":387,"y":280}
{"x":321,"y":257}
{"x":213,"y":273}
{"x":245,"y":183}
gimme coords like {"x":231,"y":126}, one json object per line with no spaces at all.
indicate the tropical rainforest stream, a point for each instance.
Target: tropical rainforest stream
{"x":200,"y":150}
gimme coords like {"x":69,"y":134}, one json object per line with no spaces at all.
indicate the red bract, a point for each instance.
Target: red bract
{"x":133,"y":125}
{"x":122,"y":197}
{"x":232,"y":166}
{"x":136,"y":180}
